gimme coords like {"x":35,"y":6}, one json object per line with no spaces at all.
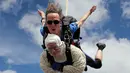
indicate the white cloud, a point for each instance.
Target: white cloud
{"x":40,"y":7}
{"x":6,"y":4}
{"x":78,"y":8}
{"x":30,"y":22}
{"x":20,"y":53}
{"x":23,"y":53}
{"x":8,"y":71}
{"x":10,"y":61}
{"x":16,"y":52}
{"x":126,"y":9}
{"x":13,"y":6}
{"x":4,"y":51}
{"x":115,"y":55}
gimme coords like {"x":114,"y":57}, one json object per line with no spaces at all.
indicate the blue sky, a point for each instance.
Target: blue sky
{"x":20,"y":38}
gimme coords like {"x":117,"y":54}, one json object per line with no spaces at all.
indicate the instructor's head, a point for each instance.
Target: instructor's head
{"x":53,"y":18}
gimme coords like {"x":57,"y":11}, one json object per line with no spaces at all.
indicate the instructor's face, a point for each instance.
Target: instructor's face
{"x":53,"y":49}
{"x":53,"y":23}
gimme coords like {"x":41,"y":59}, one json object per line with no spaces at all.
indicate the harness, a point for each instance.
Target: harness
{"x":68,"y":55}
{"x":68,"y":38}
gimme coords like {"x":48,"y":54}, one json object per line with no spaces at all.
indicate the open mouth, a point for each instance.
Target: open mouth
{"x":53,"y":29}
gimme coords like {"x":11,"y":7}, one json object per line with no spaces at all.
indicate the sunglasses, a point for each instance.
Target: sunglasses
{"x":53,"y":21}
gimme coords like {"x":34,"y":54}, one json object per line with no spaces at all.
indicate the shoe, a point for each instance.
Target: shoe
{"x":101,"y":46}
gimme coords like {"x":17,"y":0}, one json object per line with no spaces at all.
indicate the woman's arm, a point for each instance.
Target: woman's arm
{"x":45,"y":65}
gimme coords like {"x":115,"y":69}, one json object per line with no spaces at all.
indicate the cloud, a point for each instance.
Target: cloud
{"x":19,"y":54}
{"x":17,"y":49}
{"x":78,"y":8}
{"x":4,"y":52}
{"x":38,"y":6}
{"x":14,"y":6}
{"x":115,"y":55}
{"x":11,"y":6}
{"x":8,"y":71}
{"x":7,"y":4}
{"x":126,"y":9}
{"x":23,"y":53}
{"x":30,"y":22}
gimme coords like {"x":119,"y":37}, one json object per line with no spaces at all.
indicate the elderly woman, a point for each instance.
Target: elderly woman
{"x":61,"y":62}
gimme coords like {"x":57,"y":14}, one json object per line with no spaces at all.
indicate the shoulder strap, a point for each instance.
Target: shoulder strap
{"x":46,"y":31}
{"x":44,"y":37}
{"x":67,"y":35}
{"x":66,"y":32}
{"x":77,"y":34}
{"x":68,"y":55}
{"x":68,"y":19}
{"x":50,"y":58}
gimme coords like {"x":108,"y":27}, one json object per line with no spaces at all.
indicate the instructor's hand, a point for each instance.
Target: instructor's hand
{"x":93,"y":9}
{"x":41,"y":13}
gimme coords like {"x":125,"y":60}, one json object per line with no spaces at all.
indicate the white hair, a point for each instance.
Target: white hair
{"x":53,"y":38}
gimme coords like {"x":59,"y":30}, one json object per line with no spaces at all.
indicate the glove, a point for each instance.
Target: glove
{"x":57,"y":66}
{"x":101,"y":46}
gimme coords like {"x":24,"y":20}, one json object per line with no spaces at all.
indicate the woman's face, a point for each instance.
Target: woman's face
{"x":53,"y":49}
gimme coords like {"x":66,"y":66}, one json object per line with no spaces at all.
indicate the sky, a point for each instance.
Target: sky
{"x":20,"y":37}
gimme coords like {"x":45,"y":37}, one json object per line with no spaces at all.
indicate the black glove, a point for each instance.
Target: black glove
{"x":57,"y":66}
{"x":101,"y":46}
